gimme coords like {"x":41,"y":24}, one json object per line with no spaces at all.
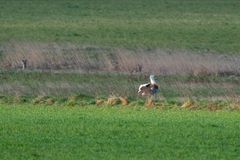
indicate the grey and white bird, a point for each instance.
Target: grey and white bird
{"x":148,"y":89}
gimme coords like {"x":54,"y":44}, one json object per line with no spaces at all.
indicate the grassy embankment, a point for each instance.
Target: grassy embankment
{"x":96,"y":85}
{"x":33,"y":132}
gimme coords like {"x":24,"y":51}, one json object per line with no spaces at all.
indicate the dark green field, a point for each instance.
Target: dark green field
{"x":176,"y":24}
{"x":38,"y":132}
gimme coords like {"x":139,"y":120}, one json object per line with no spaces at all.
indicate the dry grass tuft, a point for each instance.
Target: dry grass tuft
{"x":39,"y":100}
{"x":17,"y":99}
{"x":215,"y":106}
{"x":113,"y":100}
{"x":72,"y":100}
{"x":50,"y":101}
{"x":235,"y":106}
{"x":188,"y":104}
{"x":201,"y":71}
{"x":124,"y":101}
{"x":99,"y":102}
{"x":212,"y":107}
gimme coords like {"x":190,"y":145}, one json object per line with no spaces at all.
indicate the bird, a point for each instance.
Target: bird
{"x":148,"y":89}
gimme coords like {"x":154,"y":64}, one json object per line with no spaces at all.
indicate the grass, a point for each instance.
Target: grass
{"x":38,"y":132}
{"x":195,"y":25}
{"x":50,"y":115}
{"x":34,"y":83}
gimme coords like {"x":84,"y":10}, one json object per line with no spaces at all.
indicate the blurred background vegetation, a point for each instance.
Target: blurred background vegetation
{"x":99,"y":48}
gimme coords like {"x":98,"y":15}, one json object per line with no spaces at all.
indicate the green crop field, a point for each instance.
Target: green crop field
{"x":176,"y":24}
{"x":52,"y":132}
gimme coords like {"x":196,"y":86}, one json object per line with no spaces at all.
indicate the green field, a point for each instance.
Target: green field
{"x":176,"y":24}
{"x":48,"y":132}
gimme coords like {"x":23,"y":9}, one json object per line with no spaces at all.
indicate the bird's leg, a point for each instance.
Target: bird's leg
{"x":151,"y":97}
{"x":155,"y":97}
{"x":149,"y":101}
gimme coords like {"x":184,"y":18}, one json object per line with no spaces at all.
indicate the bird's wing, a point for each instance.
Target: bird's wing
{"x":143,"y":86}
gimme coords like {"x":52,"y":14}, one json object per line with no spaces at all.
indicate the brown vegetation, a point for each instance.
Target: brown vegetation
{"x":39,"y":100}
{"x":72,"y":100}
{"x":99,"y":102}
{"x":124,"y":101}
{"x":213,"y":106}
{"x":50,"y":101}
{"x":235,"y":106}
{"x":188,"y":104}
{"x":112,"y":100}
{"x":94,"y":59}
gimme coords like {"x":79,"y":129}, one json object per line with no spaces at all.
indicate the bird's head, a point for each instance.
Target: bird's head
{"x":152,"y":76}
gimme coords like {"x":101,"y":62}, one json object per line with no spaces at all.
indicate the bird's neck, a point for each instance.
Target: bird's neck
{"x":152,"y":80}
